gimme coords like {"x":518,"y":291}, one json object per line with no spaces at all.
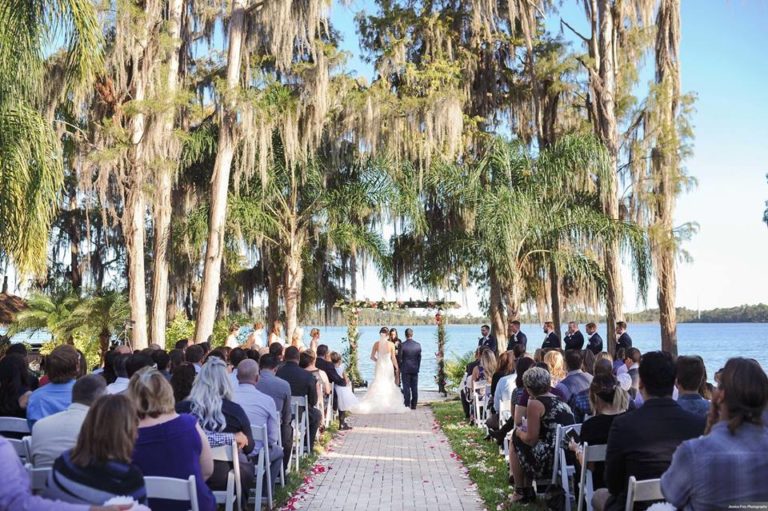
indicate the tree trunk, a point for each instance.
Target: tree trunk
{"x":273,"y":292}
{"x":134,"y":240}
{"x":214,"y":252}
{"x":603,"y":90}
{"x":353,"y":273}
{"x":74,"y":247}
{"x":293,"y":276}
{"x":554,"y":294}
{"x":164,"y":184}
{"x":665,"y":167}
{"x":496,"y":310}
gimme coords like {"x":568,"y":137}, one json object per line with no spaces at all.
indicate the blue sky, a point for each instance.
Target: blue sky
{"x":723,"y":61}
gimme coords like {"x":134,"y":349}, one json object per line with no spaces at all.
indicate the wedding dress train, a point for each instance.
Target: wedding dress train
{"x":383,"y":396}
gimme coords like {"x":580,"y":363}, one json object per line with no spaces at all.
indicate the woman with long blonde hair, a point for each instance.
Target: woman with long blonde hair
{"x":554,"y":359}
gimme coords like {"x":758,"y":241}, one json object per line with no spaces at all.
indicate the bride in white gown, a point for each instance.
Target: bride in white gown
{"x":383,"y":396}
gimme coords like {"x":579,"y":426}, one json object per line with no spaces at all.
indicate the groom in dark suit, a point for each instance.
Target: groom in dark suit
{"x":410,"y":356}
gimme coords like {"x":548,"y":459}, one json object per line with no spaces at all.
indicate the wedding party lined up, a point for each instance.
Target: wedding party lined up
{"x":197,"y":427}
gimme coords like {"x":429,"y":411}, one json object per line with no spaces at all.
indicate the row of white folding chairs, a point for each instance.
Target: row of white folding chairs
{"x":168,"y":488}
{"x":301,"y":441}
{"x":17,"y":426}
{"x":480,"y":404}
{"x":330,"y":413}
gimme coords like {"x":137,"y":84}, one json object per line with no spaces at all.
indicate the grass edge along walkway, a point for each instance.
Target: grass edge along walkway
{"x":286,"y":497}
{"x":485,"y":467}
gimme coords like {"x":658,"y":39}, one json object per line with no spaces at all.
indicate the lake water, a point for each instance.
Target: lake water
{"x":714,"y":342}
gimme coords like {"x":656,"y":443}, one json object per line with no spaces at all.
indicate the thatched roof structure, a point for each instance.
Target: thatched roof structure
{"x":10,"y":305}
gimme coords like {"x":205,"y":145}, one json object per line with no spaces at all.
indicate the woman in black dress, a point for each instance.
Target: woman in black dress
{"x":394,"y":339}
{"x":608,"y":400}
{"x":534,"y":440}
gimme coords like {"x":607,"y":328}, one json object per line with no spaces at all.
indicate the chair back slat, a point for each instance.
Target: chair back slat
{"x":642,"y":491}
{"x":172,"y":489}
{"x":594,"y":453}
{"x":14,"y":425}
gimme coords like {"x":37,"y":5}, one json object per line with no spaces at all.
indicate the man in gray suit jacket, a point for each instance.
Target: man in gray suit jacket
{"x":280,"y":391}
{"x":410,"y":354}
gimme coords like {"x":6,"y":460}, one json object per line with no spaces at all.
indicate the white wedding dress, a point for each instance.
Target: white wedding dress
{"x":383,"y":396}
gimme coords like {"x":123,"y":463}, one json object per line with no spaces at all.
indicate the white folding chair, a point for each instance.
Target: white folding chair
{"x":38,"y":478}
{"x":560,"y":466}
{"x":592,"y":454}
{"x":329,"y":413}
{"x":303,"y":403}
{"x":642,"y":491}
{"x":479,"y":404}
{"x":262,"y":468}
{"x":300,"y":428}
{"x":20,"y":448}
{"x":27,"y":447}
{"x":505,"y":411}
{"x":231,"y":496}
{"x":14,"y":425}
{"x":172,"y":489}
{"x":281,"y":478}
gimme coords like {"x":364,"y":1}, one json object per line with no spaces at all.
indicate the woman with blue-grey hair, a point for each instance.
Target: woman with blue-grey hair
{"x":534,"y":440}
{"x":211,"y":402}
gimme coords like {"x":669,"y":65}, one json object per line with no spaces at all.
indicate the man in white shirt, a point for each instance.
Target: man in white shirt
{"x":261,"y":411}
{"x":57,"y":433}
{"x":121,"y":383}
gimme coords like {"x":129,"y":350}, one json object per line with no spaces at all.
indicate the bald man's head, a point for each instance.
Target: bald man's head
{"x":248,"y":371}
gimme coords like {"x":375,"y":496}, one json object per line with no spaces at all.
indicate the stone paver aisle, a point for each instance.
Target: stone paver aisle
{"x":391,"y":462}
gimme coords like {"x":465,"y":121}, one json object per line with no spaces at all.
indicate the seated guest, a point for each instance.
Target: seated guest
{"x":465,"y":393}
{"x":15,"y":386}
{"x":580,"y":402}
{"x":641,"y":443}
{"x":608,"y":401}
{"x":136,"y":362}
{"x":169,"y":444}
{"x":121,"y":382}
{"x":182,"y":380}
{"x":276,"y":349}
{"x":219,"y":353}
{"x":57,"y":433}
{"x":728,"y":465}
{"x":587,"y":361}
{"x":323,"y":362}
{"x":556,"y":364}
{"x":236,"y":356}
{"x":62,"y":366}
{"x":575,"y":380}
{"x":176,"y":359}
{"x":181,"y":344}
{"x":518,"y":409}
{"x":302,"y":384}
{"x":99,"y":467}
{"x":485,"y":370}
{"x":619,"y":365}
{"x":632,"y":363}
{"x":195,"y":355}
{"x":502,"y":385}
{"x":690,"y":375}
{"x":533,"y":442}
{"x":211,"y":402}
{"x":162,"y":362}
{"x":261,"y":411}
{"x":16,"y":493}
{"x":280,"y":392}
{"x":307,"y":360}
{"x":20,"y":349}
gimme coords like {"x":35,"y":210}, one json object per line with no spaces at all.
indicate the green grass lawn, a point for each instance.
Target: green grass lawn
{"x":294,"y":480}
{"x":486,"y":466}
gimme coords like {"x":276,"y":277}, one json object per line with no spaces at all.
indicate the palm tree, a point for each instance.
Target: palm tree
{"x":102,"y":315}
{"x":31,"y":172}
{"x":49,"y":313}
